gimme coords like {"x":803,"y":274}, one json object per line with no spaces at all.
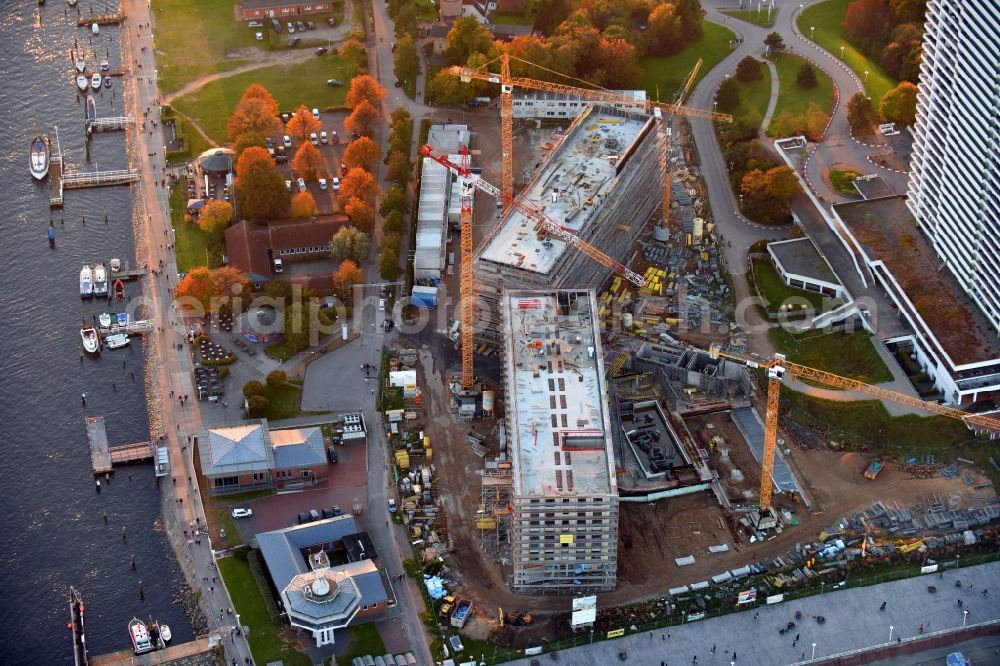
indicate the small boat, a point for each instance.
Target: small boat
{"x":122,"y":319}
{"x":52,"y":237}
{"x":104,"y":320}
{"x":105,"y":66}
{"x":115,"y":265}
{"x":81,"y":65}
{"x":94,"y":28}
{"x":86,"y":282}
{"x":95,"y":81}
{"x":107,"y":81}
{"x":91,"y":341}
{"x":39,"y":157}
{"x":119,"y":290}
{"x":100,"y":281}
{"x":91,"y":109}
{"x":71,"y":3}
{"x":140,"y":635}
{"x":165,"y":633}
{"x":81,"y":82}
{"x":116,"y":341}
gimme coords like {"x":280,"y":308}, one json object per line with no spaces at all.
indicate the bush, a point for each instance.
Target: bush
{"x":229,"y":360}
{"x":806,"y":78}
{"x":253,"y":388}
{"x":223,"y":372}
{"x":728,"y":95}
{"x":258,"y":406}
{"x":748,"y":69}
{"x":276,"y":378}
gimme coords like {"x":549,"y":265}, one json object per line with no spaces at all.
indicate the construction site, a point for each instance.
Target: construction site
{"x":589,"y":423}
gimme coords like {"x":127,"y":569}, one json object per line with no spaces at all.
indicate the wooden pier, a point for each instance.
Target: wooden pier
{"x":103,"y":456}
{"x":141,"y":327}
{"x":102,"y":19}
{"x":76,"y":623}
{"x":80,"y":179}
{"x":171,"y":654}
{"x":108,"y":124}
{"x":55,"y":182}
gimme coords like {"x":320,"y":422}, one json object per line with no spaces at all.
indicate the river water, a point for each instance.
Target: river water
{"x":53,"y":533}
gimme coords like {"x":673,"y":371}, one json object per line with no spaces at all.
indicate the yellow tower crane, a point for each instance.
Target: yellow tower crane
{"x":778,"y":365}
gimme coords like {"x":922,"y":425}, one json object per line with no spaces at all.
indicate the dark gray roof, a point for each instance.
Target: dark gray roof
{"x":333,"y":604}
{"x":367,"y":578}
{"x":439,"y":31}
{"x":218,"y":160}
{"x":235,"y":449}
{"x":800,"y":256}
{"x":282,"y":548}
{"x":298,"y":447}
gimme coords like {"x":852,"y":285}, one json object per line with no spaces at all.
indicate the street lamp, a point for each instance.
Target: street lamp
{"x":715,"y":104}
{"x":890,"y":633}
{"x":965,"y":616}
{"x":841,"y":51}
{"x":866,"y":77}
{"x":814,"y":652}
{"x":812,"y":31}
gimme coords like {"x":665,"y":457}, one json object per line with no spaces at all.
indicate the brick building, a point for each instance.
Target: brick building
{"x":251,"y":248}
{"x":256,"y":9}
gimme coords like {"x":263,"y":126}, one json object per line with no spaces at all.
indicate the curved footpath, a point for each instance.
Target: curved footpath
{"x":853,"y":622}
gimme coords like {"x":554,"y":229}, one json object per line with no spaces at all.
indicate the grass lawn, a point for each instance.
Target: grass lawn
{"x":285,"y":400}
{"x":664,"y":76}
{"x":826,"y":17}
{"x":364,"y":640}
{"x":773,"y":290}
{"x":791,"y":96}
{"x":190,"y":243}
{"x":291,"y":85}
{"x":752,"y":16}
{"x":194,"y":38}
{"x":264,"y":636}
{"x":754,"y":97}
{"x":847,"y":354}
{"x":843,"y":181}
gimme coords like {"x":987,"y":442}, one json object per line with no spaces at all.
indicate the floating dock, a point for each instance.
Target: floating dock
{"x":76,"y":624}
{"x":141,"y":327}
{"x":170,"y":654}
{"x":103,"y":457}
{"x":102,"y":19}
{"x":108,"y":124}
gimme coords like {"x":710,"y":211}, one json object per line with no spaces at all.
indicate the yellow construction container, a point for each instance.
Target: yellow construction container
{"x":427,"y":453}
{"x":616,"y":284}
{"x":403,"y":459}
{"x":427,"y":442}
{"x":486,"y":524}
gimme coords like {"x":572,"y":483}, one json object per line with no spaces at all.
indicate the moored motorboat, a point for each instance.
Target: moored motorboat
{"x":71,"y":3}
{"x":94,"y":28}
{"x":165,"y":635}
{"x":95,"y":81}
{"x":39,"y":157}
{"x":91,"y":109}
{"x":139,"y":634}
{"x":100,"y":281}
{"x":115,"y":265}
{"x":104,"y":320}
{"x":81,"y":65}
{"x":122,"y":319}
{"x":119,"y":290}
{"x":91,"y":341}
{"x":116,"y":341}
{"x":86,"y":282}
{"x":81,"y":82}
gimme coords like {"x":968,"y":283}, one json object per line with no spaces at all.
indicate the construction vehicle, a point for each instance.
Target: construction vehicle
{"x":463,"y":609}
{"x":544,"y":226}
{"x":447,"y":607}
{"x":873,"y":469}
{"x":776,"y":366}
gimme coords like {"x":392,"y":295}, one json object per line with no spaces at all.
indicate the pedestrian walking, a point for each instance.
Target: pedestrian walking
{"x":756,"y":614}
{"x":985,"y":591}
{"x":796,"y":638}
{"x":921,"y":629}
{"x":713,"y":648}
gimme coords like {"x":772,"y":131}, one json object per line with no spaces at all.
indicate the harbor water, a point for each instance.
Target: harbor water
{"x":54,"y":532}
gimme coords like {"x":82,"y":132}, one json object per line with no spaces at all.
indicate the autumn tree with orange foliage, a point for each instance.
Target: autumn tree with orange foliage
{"x":260,"y":189}
{"x":215,"y":217}
{"x":364,"y":88}
{"x":348,"y":274}
{"x":309,"y":162}
{"x":361,"y":213}
{"x":303,"y":124}
{"x":303,"y":206}
{"x":213,"y":289}
{"x":766,"y":194}
{"x":257,"y":111}
{"x":358,"y":184}
{"x":361,"y":153}
{"x":250,"y":156}
{"x":361,"y":117}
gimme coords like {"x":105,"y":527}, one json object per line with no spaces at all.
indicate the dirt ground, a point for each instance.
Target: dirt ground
{"x":732,"y":454}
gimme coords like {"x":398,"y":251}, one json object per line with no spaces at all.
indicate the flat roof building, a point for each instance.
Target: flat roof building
{"x":564,"y":495}
{"x":601,"y":183}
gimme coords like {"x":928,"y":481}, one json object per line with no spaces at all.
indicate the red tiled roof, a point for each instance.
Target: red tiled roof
{"x":247,"y":244}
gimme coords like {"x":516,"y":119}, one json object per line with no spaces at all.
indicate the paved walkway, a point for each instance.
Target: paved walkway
{"x":853,"y":621}
{"x":772,"y":102}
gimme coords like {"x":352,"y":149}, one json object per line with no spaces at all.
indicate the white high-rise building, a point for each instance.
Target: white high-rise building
{"x":954,"y":190}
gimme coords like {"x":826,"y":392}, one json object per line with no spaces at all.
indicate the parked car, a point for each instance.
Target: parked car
{"x":331,"y":453}
{"x":397,"y":83}
{"x":301,"y":26}
{"x":324,"y":138}
{"x":260,"y":36}
{"x":321,"y":50}
{"x":303,"y":518}
{"x":314,"y":514}
{"x":381,"y":305}
{"x":343,"y":169}
{"x":314,"y":139}
{"x":334,"y":137}
{"x":310,"y":25}
{"x":301,"y":182}
{"x":291,"y":27}
{"x":332,"y":22}
{"x":387,"y":325}
{"x":276,"y":25}
{"x":335,"y":184}
{"x":322,"y":184}
{"x":288,"y":185}
{"x":286,"y":141}
{"x":392,"y":506}
{"x":293,"y":41}
{"x":242,"y":513}
{"x":280,"y":156}
{"x":335,"y":83}
{"x":255,"y":24}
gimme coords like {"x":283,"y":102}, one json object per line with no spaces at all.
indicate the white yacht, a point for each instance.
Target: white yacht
{"x":86,"y":282}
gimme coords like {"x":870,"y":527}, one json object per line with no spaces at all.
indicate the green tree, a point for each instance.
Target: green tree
{"x":468,"y":36}
{"x":402,"y":130}
{"x":664,"y":30}
{"x":550,"y":14}
{"x":349,"y":243}
{"x":252,"y":388}
{"x":691,"y":14}
{"x":446,"y":89}
{"x":899,"y":105}
{"x":748,"y":69}
{"x":728,"y":95}
{"x":774,"y":42}
{"x":388,"y":263}
{"x":406,"y":59}
{"x":394,"y":199}
{"x":398,"y":170}
{"x":258,"y":406}
{"x":245,"y":140}
{"x":406,"y":22}
{"x":394,"y":222}
{"x":354,"y":51}
{"x":861,"y":114}
{"x":215,"y":217}
{"x":276,"y":378}
{"x":806,"y":76}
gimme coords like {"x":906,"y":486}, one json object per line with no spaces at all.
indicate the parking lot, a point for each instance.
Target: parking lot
{"x":345,"y":485}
